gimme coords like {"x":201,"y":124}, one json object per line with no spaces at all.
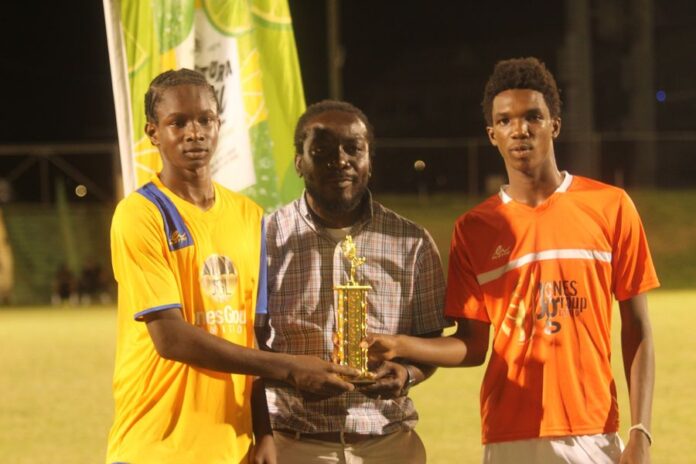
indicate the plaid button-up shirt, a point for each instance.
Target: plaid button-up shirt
{"x":403,"y":267}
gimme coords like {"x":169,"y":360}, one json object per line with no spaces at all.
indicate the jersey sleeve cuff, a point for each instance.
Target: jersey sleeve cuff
{"x":644,"y":287}
{"x":139,"y":316}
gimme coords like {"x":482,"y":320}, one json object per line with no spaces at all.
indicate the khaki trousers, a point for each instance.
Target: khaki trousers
{"x":402,"y":447}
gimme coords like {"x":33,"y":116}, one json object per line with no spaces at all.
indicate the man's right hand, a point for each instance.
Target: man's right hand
{"x":319,"y":377}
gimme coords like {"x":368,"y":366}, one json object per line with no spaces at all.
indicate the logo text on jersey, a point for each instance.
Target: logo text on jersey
{"x":500,"y":252}
{"x":227,"y":320}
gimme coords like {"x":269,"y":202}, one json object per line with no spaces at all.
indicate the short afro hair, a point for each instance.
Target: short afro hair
{"x":169,"y":79}
{"x":325,"y":106}
{"x":521,"y":73}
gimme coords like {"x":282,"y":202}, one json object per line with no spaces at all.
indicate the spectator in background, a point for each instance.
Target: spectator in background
{"x":64,"y":286}
{"x":92,"y":285}
{"x":6,"y":264}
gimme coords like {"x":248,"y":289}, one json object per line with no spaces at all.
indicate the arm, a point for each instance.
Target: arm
{"x":177,"y":340}
{"x":639,"y":367}
{"x":393,"y":377}
{"x":468,"y":346}
{"x":264,"y":446}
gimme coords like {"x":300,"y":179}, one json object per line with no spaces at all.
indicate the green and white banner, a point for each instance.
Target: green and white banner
{"x":246,"y":49}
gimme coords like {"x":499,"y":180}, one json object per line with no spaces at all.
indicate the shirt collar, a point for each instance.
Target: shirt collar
{"x":565,"y":184}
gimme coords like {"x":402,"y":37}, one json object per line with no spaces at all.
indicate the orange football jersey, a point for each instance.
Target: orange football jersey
{"x":544,"y":278}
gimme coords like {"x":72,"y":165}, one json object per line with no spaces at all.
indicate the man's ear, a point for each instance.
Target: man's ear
{"x":556,"y":124}
{"x":152,"y":133}
{"x":491,"y":135}
{"x":298,"y":164}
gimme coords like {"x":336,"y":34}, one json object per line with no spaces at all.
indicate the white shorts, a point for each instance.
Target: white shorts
{"x":578,"y":449}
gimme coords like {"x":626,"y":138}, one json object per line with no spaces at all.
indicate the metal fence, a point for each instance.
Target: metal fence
{"x":28,"y":173}
{"x":474,"y":166}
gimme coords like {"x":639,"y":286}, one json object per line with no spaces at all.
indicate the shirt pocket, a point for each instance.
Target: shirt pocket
{"x":388,"y":308}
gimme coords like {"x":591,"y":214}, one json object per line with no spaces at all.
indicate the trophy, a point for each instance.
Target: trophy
{"x":351,"y":318}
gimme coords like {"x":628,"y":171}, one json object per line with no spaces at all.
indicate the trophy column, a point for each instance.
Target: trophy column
{"x":351,"y":317}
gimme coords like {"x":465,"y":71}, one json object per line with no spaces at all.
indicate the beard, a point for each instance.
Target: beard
{"x":336,"y":205}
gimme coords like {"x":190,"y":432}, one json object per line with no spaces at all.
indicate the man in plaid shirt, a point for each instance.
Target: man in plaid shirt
{"x":334,"y":144}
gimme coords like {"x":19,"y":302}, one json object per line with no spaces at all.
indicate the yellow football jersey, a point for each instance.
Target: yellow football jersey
{"x":167,"y":253}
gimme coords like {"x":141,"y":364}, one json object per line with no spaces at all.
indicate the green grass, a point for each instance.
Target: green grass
{"x":55,"y":387}
{"x":55,"y":384}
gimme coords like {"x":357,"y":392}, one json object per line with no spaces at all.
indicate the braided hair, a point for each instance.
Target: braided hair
{"x":169,"y":79}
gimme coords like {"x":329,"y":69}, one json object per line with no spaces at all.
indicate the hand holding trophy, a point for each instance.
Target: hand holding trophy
{"x":351,"y":318}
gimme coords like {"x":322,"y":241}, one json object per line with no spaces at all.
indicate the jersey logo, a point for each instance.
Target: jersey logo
{"x":177,"y":238}
{"x":500,"y":252}
{"x":219,"y":278}
{"x":178,"y":235}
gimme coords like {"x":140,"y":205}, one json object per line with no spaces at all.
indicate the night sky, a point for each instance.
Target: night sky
{"x":417,"y":68}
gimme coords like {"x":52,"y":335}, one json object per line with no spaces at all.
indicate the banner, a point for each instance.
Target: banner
{"x":246,"y":49}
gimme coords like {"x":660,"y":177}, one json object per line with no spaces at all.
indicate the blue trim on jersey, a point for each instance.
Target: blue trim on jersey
{"x":178,"y":235}
{"x":262,"y":294}
{"x":145,"y":312}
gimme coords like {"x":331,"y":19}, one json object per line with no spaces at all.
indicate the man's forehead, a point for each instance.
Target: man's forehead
{"x":187,"y":93}
{"x":339,"y":123}
{"x":530,"y":98}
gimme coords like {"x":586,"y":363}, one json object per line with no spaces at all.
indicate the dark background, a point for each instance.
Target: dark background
{"x":417,"y":68}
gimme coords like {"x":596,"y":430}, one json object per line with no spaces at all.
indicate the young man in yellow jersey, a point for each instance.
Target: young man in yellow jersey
{"x":189,"y":258}
{"x":540,"y":262}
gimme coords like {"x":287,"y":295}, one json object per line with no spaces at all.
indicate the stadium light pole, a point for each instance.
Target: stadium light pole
{"x":576,"y":71}
{"x":336,"y":54}
{"x":641,"y":117}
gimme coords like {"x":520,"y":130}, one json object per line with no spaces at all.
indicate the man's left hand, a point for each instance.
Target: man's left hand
{"x":390,"y":378}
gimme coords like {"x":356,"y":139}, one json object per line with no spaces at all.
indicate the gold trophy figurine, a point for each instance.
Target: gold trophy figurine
{"x":351,"y":318}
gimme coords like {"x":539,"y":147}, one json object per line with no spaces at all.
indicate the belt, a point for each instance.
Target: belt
{"x":346,"y":438}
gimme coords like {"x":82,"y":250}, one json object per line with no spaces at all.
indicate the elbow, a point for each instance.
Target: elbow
{"x":475,"y":359}
{"x":479,"y":360}
{"x":170,"y":335}
{"x":477,"y":350}
{"x":166,"y":346}
{"x":165,"y":350}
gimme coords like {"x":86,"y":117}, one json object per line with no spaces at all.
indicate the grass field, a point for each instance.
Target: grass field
{"x":55,"y":387}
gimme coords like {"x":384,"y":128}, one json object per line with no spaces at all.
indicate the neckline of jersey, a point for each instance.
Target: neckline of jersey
{"x":187,"y":205}
{"x":562,"y":188}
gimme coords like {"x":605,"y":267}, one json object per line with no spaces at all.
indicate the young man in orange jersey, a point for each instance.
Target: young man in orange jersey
{"x":189,"y":258}
{"x":539,"y":262}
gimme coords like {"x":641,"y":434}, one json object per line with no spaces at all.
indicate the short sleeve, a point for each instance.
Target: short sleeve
{"x":138,"y":251}
{"x":262,"y":292}
{"x":429,"y":292}
{"x":632,"y":266}
{"x":464,"y":299}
